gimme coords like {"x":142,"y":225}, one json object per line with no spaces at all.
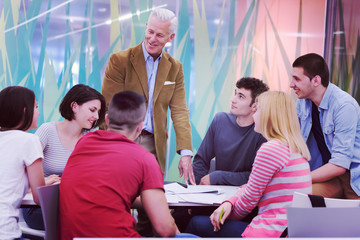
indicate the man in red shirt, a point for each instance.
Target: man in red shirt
{"x":106,"y":172}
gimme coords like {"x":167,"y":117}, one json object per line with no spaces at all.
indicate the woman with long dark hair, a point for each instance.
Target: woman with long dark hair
{"x":21,"y":156}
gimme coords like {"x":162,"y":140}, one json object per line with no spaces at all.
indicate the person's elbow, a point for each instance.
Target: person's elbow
{"x":36,"y":199}
{"x":166,"y":228}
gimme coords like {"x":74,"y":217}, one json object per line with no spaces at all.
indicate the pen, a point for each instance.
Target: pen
{"x":220,"y":217}
{"x":183,"y":185}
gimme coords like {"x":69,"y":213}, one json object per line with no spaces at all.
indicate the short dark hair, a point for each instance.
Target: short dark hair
{"x":16,"y":108}
{"x":255,"y":85}
{"x":126,"y":110}
{"x":81,"y":94}
{"x":313,"y":64}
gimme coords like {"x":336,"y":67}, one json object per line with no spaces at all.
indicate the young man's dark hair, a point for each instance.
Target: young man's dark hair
{"x":16,"y":108}
{"x":81,"y":94}
{"x":313,"y":64}
{"x":255,"y":85}
{"x":126,"y":110}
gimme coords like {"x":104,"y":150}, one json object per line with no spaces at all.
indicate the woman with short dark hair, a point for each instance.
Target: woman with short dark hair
{"x":83,"y":109}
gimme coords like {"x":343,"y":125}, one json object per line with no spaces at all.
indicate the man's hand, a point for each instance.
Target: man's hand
{"x":205,"y":180}
{"x":185,"y":168}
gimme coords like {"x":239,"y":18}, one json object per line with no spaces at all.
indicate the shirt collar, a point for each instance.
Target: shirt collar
{"x":146,"y":54}
{"x":324,"y":104}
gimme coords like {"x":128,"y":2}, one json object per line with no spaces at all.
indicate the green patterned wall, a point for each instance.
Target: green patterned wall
{"x":49,"y":46}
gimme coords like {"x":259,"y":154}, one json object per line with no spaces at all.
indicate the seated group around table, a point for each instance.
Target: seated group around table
{"x":268,"y":145}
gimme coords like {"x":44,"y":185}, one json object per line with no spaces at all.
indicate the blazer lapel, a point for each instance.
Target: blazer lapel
{"x":138,"y":62}
{"x":162,"y":73}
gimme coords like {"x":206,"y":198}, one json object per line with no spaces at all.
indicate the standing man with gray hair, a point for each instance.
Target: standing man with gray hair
{"x":151,"y":72}
{"x":148,"y":70}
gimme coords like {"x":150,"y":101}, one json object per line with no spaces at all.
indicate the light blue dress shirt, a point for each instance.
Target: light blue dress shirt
{"x":340,"y":122}
{"x":151,"y":70}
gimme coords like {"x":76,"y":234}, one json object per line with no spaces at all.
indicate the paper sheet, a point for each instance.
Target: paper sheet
{"x":199,"y":194}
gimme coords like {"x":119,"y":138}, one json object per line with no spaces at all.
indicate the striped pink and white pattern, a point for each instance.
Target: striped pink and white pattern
{"x":275,"y":176}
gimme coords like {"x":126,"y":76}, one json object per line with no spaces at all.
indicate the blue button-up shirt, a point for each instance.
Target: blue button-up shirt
{"x":340,"y":122}
{"x":151,"y":70}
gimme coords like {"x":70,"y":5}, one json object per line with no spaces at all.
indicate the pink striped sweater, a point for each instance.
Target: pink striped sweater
{"x":275,"y":176}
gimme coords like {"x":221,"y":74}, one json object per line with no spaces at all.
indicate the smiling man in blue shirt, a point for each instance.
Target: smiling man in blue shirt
{"x":330,"y":124}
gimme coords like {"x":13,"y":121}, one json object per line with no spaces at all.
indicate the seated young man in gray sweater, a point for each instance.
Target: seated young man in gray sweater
{"x":231,"y":139}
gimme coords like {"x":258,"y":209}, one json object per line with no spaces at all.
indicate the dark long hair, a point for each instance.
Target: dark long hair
{"x":16,"y":108}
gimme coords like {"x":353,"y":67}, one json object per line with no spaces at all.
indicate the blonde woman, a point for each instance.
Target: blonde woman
{"x":280,"y":168}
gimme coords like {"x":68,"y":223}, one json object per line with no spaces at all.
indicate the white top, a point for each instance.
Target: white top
{"x":18,"y":150}
{"x":55,"y":154}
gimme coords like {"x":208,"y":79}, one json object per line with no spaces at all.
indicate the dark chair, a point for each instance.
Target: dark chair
{"x":49,"y":202}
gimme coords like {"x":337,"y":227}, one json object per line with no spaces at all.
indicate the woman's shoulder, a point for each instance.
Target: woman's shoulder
{"x":46,"y":127}
{"x":20,"y":136}
{"x":275,"y":146}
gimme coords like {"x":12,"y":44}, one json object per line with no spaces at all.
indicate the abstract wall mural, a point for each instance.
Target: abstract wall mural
{"x":344,"y":45}
{"x":51,"y":45}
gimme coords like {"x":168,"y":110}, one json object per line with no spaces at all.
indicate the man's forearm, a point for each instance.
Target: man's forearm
{"x":326,"y":172}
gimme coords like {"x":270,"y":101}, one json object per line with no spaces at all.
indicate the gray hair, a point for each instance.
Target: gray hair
{"x":165,"y":15}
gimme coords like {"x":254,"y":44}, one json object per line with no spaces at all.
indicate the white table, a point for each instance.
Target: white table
{"x":225,"y":193}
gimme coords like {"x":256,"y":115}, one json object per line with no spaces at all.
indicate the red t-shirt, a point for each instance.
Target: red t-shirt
{"x":103,"y":176}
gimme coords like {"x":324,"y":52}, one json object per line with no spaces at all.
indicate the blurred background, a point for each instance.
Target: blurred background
{"x":49,"y":46}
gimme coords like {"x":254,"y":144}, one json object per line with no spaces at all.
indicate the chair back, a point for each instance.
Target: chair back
{"x":340,"y":218}
{"x":49,"y":202}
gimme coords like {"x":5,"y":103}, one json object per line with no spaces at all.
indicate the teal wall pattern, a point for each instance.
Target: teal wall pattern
{"x":49,"y":46}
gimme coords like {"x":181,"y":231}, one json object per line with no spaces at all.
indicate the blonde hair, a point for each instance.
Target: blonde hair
{"x":278,"y":120}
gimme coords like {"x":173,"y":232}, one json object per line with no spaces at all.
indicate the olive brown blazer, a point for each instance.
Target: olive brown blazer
{"x":126,"y":70}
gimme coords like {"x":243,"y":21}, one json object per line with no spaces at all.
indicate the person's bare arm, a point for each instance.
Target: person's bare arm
{"x":156,"y":207}
{"x":326,"y":172}
{"x":36,"y":178}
